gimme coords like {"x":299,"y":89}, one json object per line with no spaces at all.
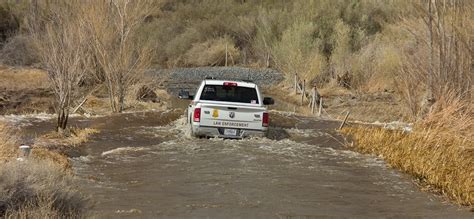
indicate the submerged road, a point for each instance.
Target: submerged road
{"x":143,"y":166}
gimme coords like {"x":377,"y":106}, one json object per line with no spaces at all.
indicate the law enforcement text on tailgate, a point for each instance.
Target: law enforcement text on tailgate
{"x":227,"y":109}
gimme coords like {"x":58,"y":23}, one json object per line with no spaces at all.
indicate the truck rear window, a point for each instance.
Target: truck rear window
{"x":229,"y":94}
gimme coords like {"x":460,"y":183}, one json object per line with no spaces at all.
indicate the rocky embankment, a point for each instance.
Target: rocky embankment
{"x":189,"y":78}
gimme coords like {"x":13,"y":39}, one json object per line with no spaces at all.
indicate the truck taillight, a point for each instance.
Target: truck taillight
{"x":197,"y":115}
{"x":265,"y":120}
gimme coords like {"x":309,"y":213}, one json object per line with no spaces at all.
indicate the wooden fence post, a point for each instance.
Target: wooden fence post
{"x":226,"y":54}
{"x":345,"y":119}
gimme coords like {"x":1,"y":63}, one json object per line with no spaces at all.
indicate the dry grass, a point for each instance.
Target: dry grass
{"x":98,"y":102}
{"x":212,"y":53}
{"x":97,"y":105}
{"x":48,"y":147}
{"x":368,"y":107}
{"x":39,"y":189}
{"x":75,"y":137}
{"x":132,"y":104}
{"x":52,"y":146}
{"x":22,"y":78}
{"x":452,"y":114}
{"x":59,"y":159}
{"x":8,"y":143}
{"x":287,"y":100}
{"x":332,"y":89}
{"x":441,"y":160}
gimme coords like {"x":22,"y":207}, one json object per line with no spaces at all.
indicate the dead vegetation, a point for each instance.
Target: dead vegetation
{"x":9,"y":143}
{"x":73,"y":138}
{"x":54,"y":146}
{"x":24,"y":90}
{"x":439,"y":152}
{"x":439,"y":59}
{"x":62,"y":48}
{"x":120,"y":54}
{"x":364,"y":106}
{"x":39,"y":189}
{"x":443,"y":162}
{"x":15,"y":79}
{"x":42,"y":186}
{"x":50,"y":147}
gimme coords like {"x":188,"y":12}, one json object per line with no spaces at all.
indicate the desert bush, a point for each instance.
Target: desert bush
{"x":265,"y":35}
{"x":18,"y":51}
{"x":183,"y":25}
{"x":295,"y":53}
{"x":213,"y":53}
{"x":39,"y":189}
{"x":377,"y":63}
{"x":9,"y":23}
{"x":341,"y":55}
{"x":320,"y":39}
{"x":439,"y":57}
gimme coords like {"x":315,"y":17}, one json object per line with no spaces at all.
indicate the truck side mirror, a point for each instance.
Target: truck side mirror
{"x":184,"y":95}
{"x":268,"y":101}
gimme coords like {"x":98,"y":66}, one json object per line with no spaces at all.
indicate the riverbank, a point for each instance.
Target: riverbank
{"x":41,"y":186}
{"x":438,"y":151}
{"x":439,"y":162}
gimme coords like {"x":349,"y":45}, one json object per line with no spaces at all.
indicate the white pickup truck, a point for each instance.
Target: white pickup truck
{"x":227,"y":109}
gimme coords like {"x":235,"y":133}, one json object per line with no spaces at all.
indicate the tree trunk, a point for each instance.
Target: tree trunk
{"x":63,"y":116}
{"x":431,"y":72}
{"x":121,"y":98}
{"x":112,"y":94}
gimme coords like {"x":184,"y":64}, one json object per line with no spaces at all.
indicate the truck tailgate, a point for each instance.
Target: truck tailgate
{"x":232,"y":116}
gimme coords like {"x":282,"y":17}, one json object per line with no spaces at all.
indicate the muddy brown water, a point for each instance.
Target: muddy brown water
{"x":144,"y":165}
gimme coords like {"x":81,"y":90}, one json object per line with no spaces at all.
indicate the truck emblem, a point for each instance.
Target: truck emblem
{"x":232,"y":115}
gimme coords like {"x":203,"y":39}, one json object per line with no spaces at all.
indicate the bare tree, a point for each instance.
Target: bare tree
{"x":440,"y":61}
{"x":120,"y":53}
{"x":62,"y":46}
